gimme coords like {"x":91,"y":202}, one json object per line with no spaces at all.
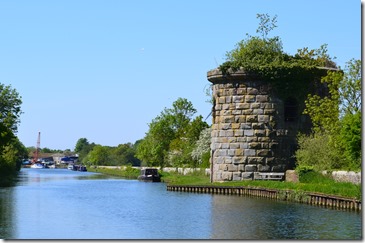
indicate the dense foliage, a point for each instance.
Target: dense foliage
{"x":172,"y":137}
{"x":265,"y":57}
{"x":12,"y":151}
{"x":335,"y":142}
{"x":96,"y":154}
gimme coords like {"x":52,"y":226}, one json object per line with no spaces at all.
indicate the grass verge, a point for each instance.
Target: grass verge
{"x":129,"y":172}
{"x":309,"y":182}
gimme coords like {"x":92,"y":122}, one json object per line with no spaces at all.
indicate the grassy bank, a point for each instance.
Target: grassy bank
{"x":309,"y":182}
{"x":129,"y":172}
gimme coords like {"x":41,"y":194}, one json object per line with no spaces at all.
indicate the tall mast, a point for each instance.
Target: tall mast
{"x":37,"y":148}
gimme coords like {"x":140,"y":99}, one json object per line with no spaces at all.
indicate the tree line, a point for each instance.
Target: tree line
{"x":175,"y":138}
{"x":12,"y":151}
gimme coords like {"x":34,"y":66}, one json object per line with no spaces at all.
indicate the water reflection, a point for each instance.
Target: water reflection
{"x":6,"y":213}
{"x":63,"y":204}
{"x":235,"y":217}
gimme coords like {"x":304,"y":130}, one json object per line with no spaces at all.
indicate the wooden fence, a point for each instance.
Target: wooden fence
{"x":286,"y":195}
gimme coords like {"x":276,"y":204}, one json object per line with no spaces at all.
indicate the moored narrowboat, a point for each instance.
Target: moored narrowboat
{"x":149,"y":174}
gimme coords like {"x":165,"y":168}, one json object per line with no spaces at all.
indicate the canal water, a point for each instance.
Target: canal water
{"x":64,"y":204}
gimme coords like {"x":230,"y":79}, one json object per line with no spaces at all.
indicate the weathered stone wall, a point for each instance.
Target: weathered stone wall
{"x":249,"y":129}
{"x":242,"y":141}
{"x":346,"y":176}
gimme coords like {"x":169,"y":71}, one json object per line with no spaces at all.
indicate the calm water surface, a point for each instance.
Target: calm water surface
{"x":64,"y":204}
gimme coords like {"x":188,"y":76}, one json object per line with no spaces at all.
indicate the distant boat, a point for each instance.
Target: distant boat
{"x":37,"y":166}
{"x":149,"y":174}
{"x":76,"y":167}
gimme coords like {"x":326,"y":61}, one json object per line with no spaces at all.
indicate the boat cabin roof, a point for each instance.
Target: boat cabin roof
{"x":149,"y":171}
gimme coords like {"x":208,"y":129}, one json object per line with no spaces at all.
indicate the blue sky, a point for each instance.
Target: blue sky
{"x":103,"y":69}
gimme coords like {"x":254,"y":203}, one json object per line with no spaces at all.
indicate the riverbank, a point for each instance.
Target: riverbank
{"x":309,"y":183}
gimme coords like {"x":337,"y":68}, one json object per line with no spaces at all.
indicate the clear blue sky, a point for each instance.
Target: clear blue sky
{"x":103,"y":69}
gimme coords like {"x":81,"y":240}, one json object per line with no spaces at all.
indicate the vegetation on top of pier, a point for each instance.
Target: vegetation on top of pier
{"x":265,"y":57}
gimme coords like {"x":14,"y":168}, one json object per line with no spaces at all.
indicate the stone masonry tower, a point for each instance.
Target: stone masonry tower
{"x":253,"y":129}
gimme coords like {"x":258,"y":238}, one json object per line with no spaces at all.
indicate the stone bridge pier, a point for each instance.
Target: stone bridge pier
{"x":253,"y":130}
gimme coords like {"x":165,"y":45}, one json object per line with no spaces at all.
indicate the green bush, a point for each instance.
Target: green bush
{"x":318,"y":152}
{"x":350,"y":136}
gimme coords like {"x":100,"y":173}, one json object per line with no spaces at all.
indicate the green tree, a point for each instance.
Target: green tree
{"x":10,"y":107}
{"x":124,"y":154}
{"x":350,"y":137}
{"x":82,"y":148}
{"x":336,"y":121}
{"x":99,"y":155}
{"x":201,"y":151}
{"x":171,"y":136}
{"x":153,"y":148}
{"x":81,"y":144}
{"x":266,"y":24}
{"x":12,"y":151}
{"x":350,"y":88}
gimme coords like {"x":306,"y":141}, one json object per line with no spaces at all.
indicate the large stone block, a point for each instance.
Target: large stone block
{"x":263,"y":168}
{"x":239,"y":152}
{"x":255,"y":145}
{"x":255,"y":160}
{"x":228,"y":160}
{"x":238,"y":99}
{"x":250,"y":152}
{"x":239,"y":160}
{"x":234,"y":145}
{"x":240,"y":119}
{"x":250,"y":168}
{"x":242,"y":106}
{"x":264,"y":152}
{"x":252,"y":118}
{"x":250,"y":98}
{"x":255,"y":105}
{"x":291,"y":176}
{"x":279,"y":168}
{"x":260,"y":133}
{"x":236,"y":176}
{"x":248,"y":132}
{"x":241,"y":91}
{"x":238,"y":133}
{"x":247,"y":175}
{"x":225,"y":106}
{"x":221,"y":100}
{"x":231,"y":152}
{"x":252,"y":91}
{"x":258,"y":111}
{"x":263,"y":118}
{"x":232,"y":168}
{"x":227,"y":176}
{"x":262,"y":98}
